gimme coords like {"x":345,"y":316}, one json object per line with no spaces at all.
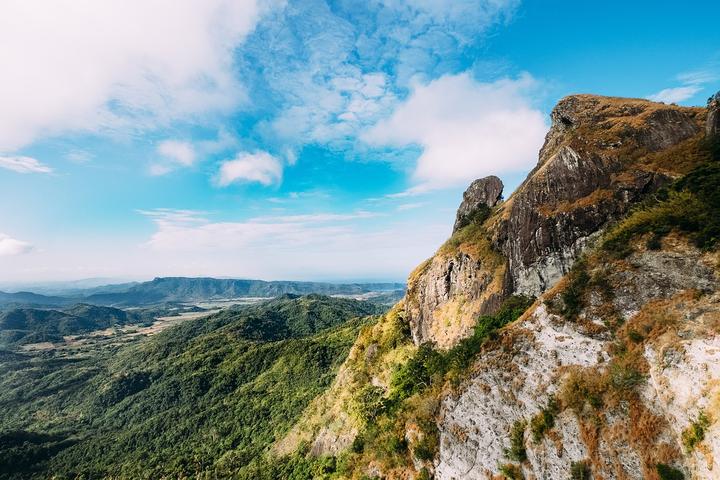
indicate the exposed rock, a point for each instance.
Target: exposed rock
{"x":712,"y":126}
{"x":596,"y":163}
{"x":485,"y":192}
{"x":513,"y":380}
{"x":589,"y":174}
{"x":511,"y":385}
{"x":455,"y":288}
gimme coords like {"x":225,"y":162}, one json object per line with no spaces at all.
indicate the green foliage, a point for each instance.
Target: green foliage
{"x":574,"y":293}
{"x":666,"y":472}
{"x":424,"y":474}
{"x":511,"y":471}
{"x":369,"y":403}
{"x":516,"y":450}
{"x":695,"y":433}
{"x":544,"y":421}
{"x":204,"y":398}
{"x":690,"y":205}
{"x":475,"y":217}
{"x":429,"y":366}
{"x":624,"y":376}
{"x":580,"y":470}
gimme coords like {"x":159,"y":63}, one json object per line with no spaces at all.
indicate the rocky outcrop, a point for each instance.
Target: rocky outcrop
{"x":590,"y":172}
{"x":712,"y":126}
{"x":483,"y":192}
{"x":456,"y":288}
{"x":601,"y":156}
{"x":539,"y":356}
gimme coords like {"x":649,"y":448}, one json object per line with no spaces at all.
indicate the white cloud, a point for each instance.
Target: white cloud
{"x":10,"y":246}
{"x":22,"y":164}
{"x":258,"y":167}
{"x":83,"y":65}
{"x":692,"y":83}
{"x":310,"y":246}
{"x":409,"y":206}
{"x":676,"y":94}
{"x":178,"y":152}
{"x":329,"y":72}
{"x":175,"y":154}
{"x":466,"y":129}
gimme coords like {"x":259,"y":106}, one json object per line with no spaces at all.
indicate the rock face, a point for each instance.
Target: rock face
{"x":485,"y":192}
{"x":514,"y":379}
{"x":590,"y":172}
{"x":601,"y":156}
{"x":712,"y":126}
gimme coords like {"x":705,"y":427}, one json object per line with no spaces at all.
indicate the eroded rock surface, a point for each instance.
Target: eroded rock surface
{"x":601,"y":156}
{"x":483,"y":192}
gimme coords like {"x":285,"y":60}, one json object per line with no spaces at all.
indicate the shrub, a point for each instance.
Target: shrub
{"x":666,"y":472}
{"x":695,"y":433}
{"x":573,"y":295}
{"x":369,"y":403}
{"x":516,"y":451}
{"x":424,"y":474}
{"x":581,"y":388}
{"x":511,"y":472}
{"x":544,"y":420}
{"x":580,"y":470}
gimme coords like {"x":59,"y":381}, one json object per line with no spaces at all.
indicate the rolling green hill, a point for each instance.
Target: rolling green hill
{"x":205,"y":396}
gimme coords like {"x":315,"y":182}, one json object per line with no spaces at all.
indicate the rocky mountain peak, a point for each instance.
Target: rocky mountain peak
{"x":601,"y":156}
{"x":483,"y":192}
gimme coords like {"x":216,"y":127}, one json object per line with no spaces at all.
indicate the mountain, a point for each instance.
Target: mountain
{"x":180,"y":289}
{"x":31,"y":299}
{"x":209,"y":394}
{"x":32,"y":325}
{"x":570,"y":331}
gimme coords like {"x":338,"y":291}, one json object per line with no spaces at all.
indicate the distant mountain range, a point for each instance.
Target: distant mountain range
{"x":182,"y":289}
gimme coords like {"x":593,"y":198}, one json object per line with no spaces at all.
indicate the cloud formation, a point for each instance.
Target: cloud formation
{"x":175,"y":154}
{"x":260,"y":167}
{"x":22,"y":164}
{"x":466,"y":129}
{"x":10,"y":246}
{"x":692,"y":83}
{"x":318,"y":245}
{"x":346,"y":66}
{"x":73,"y":65}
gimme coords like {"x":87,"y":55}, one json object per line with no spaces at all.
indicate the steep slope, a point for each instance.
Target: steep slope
{"x":612,"y":373}
{"x":601,"y":156}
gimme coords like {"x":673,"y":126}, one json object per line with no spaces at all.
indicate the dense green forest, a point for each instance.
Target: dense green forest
{"x":205,"y":397}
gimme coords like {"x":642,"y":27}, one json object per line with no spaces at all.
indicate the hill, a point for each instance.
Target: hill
{"x":32,"y":325}
{"x":207,"y":395}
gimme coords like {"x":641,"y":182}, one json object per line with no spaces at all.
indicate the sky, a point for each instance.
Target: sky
{"x":296,"y":139}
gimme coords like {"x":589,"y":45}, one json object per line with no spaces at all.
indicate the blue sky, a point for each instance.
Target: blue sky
{"x":296,"y":139}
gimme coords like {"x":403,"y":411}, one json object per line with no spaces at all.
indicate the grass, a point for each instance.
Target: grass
{"x":511,"y":472}
{"x":544,"y":421}
{"x":695,"y":433}
{"x":516,"y":451}
{"x":580,"y":470}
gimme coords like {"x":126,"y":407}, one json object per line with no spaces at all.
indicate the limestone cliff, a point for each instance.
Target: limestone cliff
{"x":601,"y":156}
{"x":612,"y":373}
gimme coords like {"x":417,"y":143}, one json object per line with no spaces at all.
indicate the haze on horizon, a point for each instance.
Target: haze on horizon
{"x":312,"y":139}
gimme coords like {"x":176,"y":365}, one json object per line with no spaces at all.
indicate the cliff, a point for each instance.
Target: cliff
{"x":570,"y":331}
{"x":601,"y":156}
